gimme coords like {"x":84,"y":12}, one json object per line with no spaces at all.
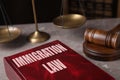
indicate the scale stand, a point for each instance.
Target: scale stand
{"x":37,"y":36}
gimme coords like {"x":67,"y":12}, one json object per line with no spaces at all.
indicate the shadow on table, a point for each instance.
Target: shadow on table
{"x":19,"y":42}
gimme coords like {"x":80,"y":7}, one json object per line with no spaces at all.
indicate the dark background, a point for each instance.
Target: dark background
{"x":20,"y":11}
{"x":94,"y":9}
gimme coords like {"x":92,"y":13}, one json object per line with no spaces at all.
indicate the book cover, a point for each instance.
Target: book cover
{"x":52,"y":61}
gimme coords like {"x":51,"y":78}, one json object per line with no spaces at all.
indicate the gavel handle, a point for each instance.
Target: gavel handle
{"x":115,"y":29}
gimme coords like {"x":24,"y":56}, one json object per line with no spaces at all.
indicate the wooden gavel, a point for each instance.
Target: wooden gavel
{"x":109,"y":38}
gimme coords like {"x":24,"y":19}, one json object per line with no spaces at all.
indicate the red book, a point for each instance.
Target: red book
{"x":52,"y":61}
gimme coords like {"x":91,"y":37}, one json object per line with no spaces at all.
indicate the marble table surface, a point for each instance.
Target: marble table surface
{"x":71,"y":37}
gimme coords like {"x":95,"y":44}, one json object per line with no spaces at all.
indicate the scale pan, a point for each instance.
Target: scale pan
{"x":69,"y":21}
{"x":9,"y":34}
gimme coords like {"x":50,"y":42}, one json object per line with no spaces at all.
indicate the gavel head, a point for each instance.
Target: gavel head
{"x":104,"y":38}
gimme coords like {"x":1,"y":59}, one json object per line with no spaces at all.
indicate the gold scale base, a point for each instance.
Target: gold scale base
{"x":38,"y":36}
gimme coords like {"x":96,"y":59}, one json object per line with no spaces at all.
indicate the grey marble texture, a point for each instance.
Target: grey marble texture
{"x":71,"y":37}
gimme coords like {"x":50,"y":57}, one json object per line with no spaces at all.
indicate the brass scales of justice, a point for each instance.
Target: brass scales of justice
{"x":65,"y":21}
